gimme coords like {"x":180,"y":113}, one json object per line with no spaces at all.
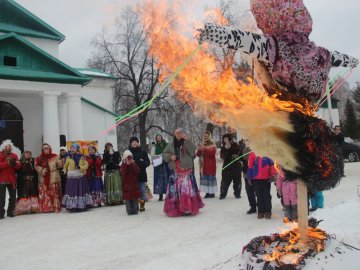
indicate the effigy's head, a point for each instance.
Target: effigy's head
{"x":277,"y":17}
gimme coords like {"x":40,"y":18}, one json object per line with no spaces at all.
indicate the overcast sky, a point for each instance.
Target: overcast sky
{"x":336,"y":24}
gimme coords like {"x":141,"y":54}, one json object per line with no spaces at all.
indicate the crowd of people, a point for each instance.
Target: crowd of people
{"x":78,"y":182}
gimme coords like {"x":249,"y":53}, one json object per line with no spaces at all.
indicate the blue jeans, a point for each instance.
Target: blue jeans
{"x":142,"y":186}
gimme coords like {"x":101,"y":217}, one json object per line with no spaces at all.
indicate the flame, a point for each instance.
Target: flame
{"x":294,"y":251}
{"x":216,"y":93}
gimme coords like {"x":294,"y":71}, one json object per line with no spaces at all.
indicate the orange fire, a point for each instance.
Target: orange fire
{"x":294,"y":250}
{"x":216,"y":92}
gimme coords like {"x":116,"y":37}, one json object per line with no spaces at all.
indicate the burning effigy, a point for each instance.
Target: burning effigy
{"x":292,"y":71}
{"x":292,"y":74}
{"x":284,"y":250}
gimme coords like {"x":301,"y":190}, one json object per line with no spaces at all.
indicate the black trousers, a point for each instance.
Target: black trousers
{"x":12,"y":199}
{"x":230,"y":175}
{"x":250,"y":194}
{"x":262,"y":190}
{"x":132,"y":206}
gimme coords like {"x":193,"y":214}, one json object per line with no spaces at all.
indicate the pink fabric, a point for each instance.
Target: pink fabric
{"x":287,"y":188}
{"x":275,"y":17}
{"x":295,"y":62}
{"x":299,"y":65}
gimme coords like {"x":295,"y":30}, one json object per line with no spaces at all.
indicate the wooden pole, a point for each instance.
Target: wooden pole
{"x":302,"y":206}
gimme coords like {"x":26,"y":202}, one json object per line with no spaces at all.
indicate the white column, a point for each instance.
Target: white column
{"x":51,"y":120}
{"x":63,"y":116}
{"x":75,"y":121}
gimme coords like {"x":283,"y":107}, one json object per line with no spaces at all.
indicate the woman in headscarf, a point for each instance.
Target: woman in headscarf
{"x":47,"y":165}
{"x":161,"y":171}
{"x":112,"y":179}
{"x":27,"y":186}
{"x":77,"y":196}
{"x":182,"y":195}
{"x":207,"y":160}
{"x":94,"y":176}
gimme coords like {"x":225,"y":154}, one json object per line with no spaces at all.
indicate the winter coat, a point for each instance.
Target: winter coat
{"x":7,"y":171}
{"x":287,"y":189}
{"x":51,"y":163}
{"x":260,"y":168}
{"x":187,"y":155}
{"x":96,"y":162}
{"x":129,"y":175}
{"x":111,"y":162}
{"x":70,"y":165}
{"x":231,"y":154}
{"x":142,"y":160}
{"x":208,"y":155}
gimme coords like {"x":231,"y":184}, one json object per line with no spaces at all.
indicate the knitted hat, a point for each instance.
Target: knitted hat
{"x":126,"y":154}
{"x":134,"y":139}
{"x":63,"y":148}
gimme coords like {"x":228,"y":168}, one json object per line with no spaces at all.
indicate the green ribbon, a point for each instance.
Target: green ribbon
{"x":235,"y":160}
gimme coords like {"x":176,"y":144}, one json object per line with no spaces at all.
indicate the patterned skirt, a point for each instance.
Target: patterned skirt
{"x":50,"y":197}
{"x":182,"y":195}
{"x":96,"y":188}
{"x":27,"y":205}
{"x":161,"y":177}
{"x":113,"y":188}
{"x":27,"y":201}
{"x":208,"y":184}
{"x":77,"y":195}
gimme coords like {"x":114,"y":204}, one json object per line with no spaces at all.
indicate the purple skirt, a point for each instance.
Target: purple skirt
{"x":77,"y":196}
{"x":96,"y":188}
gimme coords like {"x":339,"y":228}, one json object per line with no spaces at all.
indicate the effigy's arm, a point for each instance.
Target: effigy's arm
{"x":250,"y":43}
{"x":343,"y":60}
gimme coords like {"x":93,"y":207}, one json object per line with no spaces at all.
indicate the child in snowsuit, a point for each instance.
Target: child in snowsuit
{"x":317,"y":201}
{"x":129,"y":171}
{"x":287,"y":189}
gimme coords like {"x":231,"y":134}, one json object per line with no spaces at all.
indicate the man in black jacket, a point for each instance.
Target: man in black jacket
{"x":229,"y":152}
{"x":142,"y":160}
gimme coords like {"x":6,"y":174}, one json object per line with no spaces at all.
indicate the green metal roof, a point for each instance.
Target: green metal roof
{"x":98,"y":106}
{"x":15,"y":18}
{"x":93,"y":72}
{"x":34,"y":64}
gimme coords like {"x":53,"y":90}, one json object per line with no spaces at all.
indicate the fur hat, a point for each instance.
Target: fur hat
{"x":126,"y":154}
{"x":5,"y":143}
{"x":134,"y":138}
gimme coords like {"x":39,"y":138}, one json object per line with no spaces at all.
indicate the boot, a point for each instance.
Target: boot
{"x":212,"y":195}
{"x":142,"y":205}
{"x":251,"y":211}
{"x":160,"y":197}
{"x":268,"y":215}
{"x":260,"y":215}
{"x":207,"y":195}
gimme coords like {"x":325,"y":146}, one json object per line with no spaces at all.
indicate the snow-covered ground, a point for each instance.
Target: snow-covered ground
{"x":107,"y":238}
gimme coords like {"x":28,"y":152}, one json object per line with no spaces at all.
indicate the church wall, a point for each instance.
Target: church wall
{"x":49,"y":46}
{"x":95,"y":122}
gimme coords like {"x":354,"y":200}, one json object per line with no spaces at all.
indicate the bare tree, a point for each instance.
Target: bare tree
{"x":125,"y":54}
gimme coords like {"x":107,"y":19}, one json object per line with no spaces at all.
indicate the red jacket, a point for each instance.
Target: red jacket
{"x":260,"y":168}
{"x":97,"y":163}
{"x":209,"y":161}
{"x":129,"y":174}
{"x":8,"y":172}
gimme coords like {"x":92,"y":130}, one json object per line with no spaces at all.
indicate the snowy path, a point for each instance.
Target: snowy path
{"x":107,"y":238}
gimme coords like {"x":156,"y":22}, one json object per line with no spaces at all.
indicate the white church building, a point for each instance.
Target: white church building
{"x":41,"y":98}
